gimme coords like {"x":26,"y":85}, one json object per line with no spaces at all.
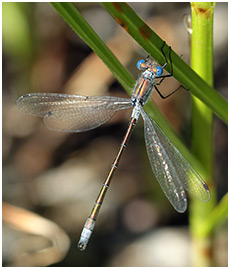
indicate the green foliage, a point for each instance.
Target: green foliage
{"x":147,"y":39}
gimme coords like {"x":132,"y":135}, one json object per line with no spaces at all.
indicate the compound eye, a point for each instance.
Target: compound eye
{"x":140,"y":65}
{"x":159,"y":71}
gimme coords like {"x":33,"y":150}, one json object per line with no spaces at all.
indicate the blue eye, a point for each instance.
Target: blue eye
{"x":159,"y":71}
{"x":139,"y":63}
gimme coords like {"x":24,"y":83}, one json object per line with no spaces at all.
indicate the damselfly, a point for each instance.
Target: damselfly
{"x":76,"y":113}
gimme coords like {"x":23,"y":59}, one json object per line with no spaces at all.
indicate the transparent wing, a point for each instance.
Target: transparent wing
{"x":71,"y":113}
{"x":171,"y":169}
{"x":162,"y":166}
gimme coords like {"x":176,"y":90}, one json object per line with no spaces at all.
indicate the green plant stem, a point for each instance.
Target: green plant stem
{"x":152,"y":43}
{"x":202,"y":124}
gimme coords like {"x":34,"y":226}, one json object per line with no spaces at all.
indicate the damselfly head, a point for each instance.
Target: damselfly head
{"x":151,"y":65}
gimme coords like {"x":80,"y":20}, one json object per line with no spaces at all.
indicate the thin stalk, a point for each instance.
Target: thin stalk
{"x":152,"y":43}
{"x":202,"y":125}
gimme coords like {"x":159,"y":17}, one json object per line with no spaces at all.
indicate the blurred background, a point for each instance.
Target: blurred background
{"x":50,"y":180}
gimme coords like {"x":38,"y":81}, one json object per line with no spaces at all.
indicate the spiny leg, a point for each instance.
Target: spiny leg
{"x":167,"y":75}
{"x":166,"y":96}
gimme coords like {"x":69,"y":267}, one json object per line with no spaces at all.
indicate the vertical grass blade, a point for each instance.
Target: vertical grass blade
{"x":202,"y":125}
